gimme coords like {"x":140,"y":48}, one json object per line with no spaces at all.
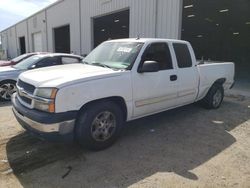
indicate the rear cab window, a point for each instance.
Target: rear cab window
{"x":183,"y":56}
{"x":70,"y":60}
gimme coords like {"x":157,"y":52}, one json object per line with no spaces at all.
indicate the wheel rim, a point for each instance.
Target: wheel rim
{"x":217,"y":98}
{"x":103,"y":126}
{"x":6,"y":90}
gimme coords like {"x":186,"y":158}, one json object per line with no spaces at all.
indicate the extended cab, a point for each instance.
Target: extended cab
{"x":121,"y":80}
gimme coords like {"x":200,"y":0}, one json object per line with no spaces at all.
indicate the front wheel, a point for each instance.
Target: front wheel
{"x":214,"y":97}
{"x":7,"y":88}
{"x":99,"y":125}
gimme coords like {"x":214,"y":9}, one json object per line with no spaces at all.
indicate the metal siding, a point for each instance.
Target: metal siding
{"x":37,"y":42}
{"x":143,"y":17}
{"x":12,"y":48}
{"x":4,"y":40}
{"x":37,"y":24}
{"x":22,"y":31}
{"x":148,"y":18}
{"x":64,"y":13}
{"x":168,"y":19}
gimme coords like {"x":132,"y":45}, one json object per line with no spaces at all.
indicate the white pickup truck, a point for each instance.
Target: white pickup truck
{"x":119,"y":81}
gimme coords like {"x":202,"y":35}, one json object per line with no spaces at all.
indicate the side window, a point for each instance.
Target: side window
{"x":69,"y":60}
{"x":159,"y":52}
{"x":183,"y":56}
{"x":49,"y":61}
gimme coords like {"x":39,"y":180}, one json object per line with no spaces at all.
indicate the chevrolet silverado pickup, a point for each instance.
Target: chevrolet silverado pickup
{"x":121,"y":80}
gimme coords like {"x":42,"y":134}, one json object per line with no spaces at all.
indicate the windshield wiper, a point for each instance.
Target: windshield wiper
{"x":96,"y":64}
{"x":101,"y":65}
{"x":85,"y":62}
{"x":14,"y":67}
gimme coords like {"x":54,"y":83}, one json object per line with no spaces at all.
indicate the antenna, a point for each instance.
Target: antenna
{"x":138,"y":37}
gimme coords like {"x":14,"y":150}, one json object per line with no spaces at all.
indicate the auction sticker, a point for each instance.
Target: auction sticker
{"x":124,"y":49}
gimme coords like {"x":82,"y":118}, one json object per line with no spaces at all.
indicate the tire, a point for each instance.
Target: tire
{"x":7,"y":88}
{"x":99,"y":125}
{"x":214,"y":97}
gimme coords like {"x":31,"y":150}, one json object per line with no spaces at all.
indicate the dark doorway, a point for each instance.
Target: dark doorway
{"x":62,"y":39}
{"x":112,"y":26}
{"x":219,"y":31}
{"x":22,"y":45}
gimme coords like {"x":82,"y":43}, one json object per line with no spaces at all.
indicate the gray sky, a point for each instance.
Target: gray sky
{"x":12,"y":11}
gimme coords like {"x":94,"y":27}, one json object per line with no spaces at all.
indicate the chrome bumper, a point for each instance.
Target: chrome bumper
{"x":60,"y":127}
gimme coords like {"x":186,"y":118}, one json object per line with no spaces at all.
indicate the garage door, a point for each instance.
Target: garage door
{"x":37,"y":42}
{"x":62,"y":39}
{"x":113,"y":26}
{"x":219,"y":31}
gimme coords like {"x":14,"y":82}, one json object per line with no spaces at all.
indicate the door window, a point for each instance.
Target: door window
{"x":49,"y":61}
{"x":160,"y":53}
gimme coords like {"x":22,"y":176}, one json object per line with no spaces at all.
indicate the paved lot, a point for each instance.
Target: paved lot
{"x":186,"y":147}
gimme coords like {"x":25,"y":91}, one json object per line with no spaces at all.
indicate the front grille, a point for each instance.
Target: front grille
{"x":26,"y":100}
{"x":27,"y":87}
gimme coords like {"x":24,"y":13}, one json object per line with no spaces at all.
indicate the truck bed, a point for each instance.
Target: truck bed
{"x":210,"y":72}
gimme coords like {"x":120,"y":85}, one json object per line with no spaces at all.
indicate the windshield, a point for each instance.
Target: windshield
{"x":25,"y":64}
{"x":19,"y":58}
{"x":115,"y":55}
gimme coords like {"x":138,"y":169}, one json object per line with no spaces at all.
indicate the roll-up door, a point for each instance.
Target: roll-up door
{"x":37,"y":42}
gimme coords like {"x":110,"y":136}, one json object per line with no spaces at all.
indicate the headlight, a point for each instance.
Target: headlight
{"x":45,"y":100}
{"x":49,"y":93}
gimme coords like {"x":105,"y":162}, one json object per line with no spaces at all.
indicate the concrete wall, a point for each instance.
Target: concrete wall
{"x":148,"y":18}
{"x":37,"y":23}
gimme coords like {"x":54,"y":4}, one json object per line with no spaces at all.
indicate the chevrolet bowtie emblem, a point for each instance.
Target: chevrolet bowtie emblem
{"x":21,"y":91}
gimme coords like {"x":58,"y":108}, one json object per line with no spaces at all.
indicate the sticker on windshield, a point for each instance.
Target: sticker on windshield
{"x":124,"y":49}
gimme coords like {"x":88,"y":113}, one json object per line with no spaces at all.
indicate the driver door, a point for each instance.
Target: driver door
{"x":155,"y":91}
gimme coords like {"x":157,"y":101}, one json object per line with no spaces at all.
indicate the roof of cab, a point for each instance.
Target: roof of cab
{"x":58,"y":54}
{"x":145,"y":40}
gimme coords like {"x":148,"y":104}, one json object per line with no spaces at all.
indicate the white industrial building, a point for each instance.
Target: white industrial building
{"x":47,"y":30}
{"x":218,"y":30}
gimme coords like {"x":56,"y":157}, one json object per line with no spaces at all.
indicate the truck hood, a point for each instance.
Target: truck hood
{"x":63,"y":75}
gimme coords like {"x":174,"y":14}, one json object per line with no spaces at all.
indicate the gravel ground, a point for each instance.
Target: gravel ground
{"x":185,"y":147}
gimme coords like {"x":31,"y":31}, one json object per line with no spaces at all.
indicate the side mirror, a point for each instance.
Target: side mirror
{"x":149,"y":66}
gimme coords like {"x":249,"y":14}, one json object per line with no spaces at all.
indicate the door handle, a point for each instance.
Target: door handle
{"x":173,"y":77}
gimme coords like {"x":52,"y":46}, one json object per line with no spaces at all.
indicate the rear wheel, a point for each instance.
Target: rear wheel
{"x":99,"y":125}
{"x":7,"y":88}
{"x":214,"y":97}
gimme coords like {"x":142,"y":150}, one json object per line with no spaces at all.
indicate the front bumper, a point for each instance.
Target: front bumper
{"x":50,"y":126}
